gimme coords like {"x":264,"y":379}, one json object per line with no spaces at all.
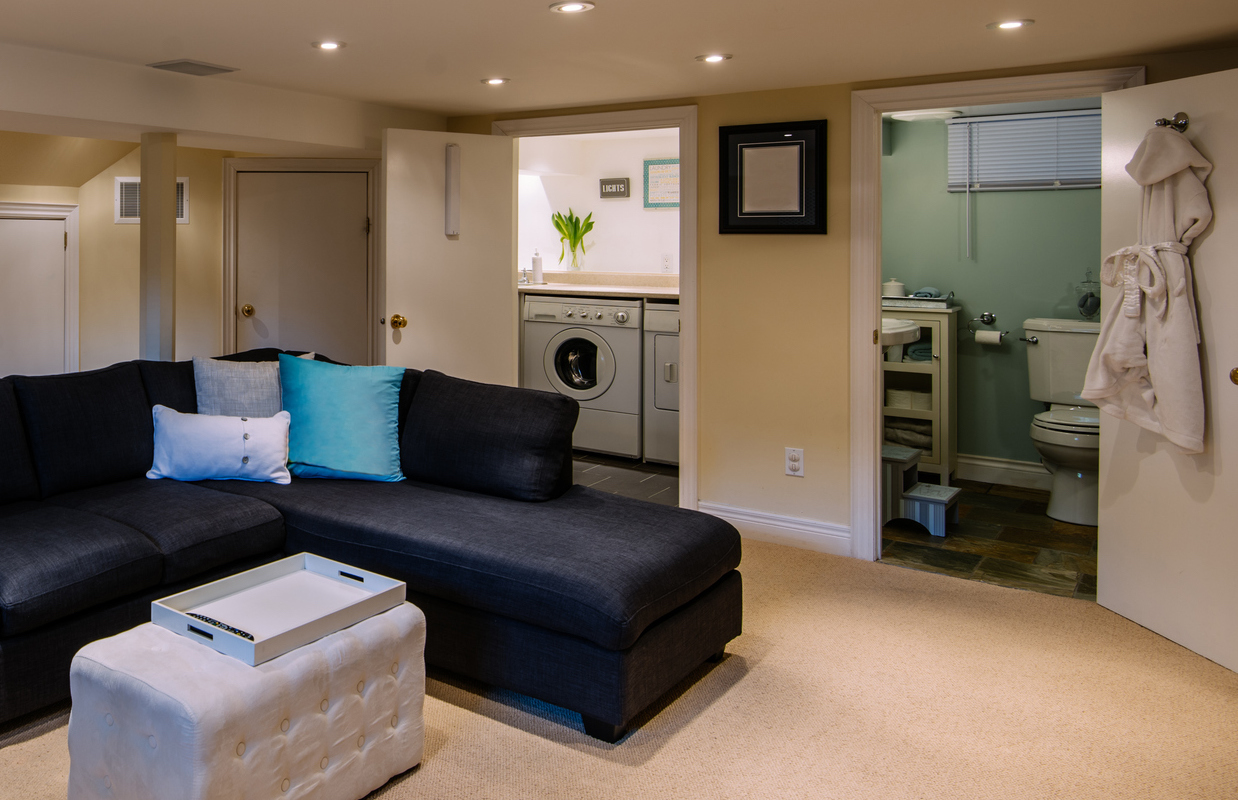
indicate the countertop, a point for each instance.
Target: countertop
{"x":595,"y":290}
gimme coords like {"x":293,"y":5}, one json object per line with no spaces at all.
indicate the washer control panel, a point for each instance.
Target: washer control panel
{"x":583,"y":312}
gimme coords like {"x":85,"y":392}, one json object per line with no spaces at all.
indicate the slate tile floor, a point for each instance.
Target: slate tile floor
{"x":658,"y":483}
{"x":1003,"y":537}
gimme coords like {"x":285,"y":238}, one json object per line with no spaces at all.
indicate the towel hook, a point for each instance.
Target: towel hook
{"x":1180,"y":122}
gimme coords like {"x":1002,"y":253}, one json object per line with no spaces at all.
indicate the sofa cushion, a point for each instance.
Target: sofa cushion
{"x":170,"y":383}
{"x":57,"y":561}
{"x":589,"y":564}
{"x":87,"y":428}
{"x":499,"y":440}
{"x":237,"y":389}
{"x":17,"y":478}
{"x":191,"y":447}
{"x":195,"y":529}
{"x":345,"y":420}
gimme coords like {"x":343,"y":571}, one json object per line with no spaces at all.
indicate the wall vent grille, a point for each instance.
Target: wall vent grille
{"x":128,"y":199}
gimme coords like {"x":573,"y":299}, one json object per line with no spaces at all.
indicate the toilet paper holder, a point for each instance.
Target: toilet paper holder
{"x":987,"y":318}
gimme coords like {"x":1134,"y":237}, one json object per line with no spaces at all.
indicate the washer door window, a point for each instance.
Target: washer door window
{"x":579,"y":364}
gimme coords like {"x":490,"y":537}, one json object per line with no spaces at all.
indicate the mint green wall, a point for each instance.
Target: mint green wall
{"x":1029,"y":250}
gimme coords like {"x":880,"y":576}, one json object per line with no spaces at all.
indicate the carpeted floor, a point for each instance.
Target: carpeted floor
{"x":852,"y":680}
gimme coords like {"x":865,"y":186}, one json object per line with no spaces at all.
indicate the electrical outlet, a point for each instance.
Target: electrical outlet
{"x":795,"y":462}
{"x":668,"y":262}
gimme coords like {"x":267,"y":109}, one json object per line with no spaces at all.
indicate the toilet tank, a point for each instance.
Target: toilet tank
{"x":1058,"y":362}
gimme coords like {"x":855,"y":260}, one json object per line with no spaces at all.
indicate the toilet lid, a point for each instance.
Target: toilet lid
{"x":1069,"y":420}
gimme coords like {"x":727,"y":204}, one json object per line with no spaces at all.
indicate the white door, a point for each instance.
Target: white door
{"x":458,"y":292}
{"x":32,"y":296}
{"x":1168,"y":552}
{"x":302,"y":258}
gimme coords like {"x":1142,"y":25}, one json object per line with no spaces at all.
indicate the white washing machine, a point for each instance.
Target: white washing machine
{"x":588,"y":349}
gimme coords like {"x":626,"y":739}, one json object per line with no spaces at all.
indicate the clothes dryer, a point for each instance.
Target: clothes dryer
{"x":588,"y":349}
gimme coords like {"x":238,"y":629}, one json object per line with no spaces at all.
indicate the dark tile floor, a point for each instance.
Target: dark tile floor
{"x":658,"y":483}
{"x":1002,"y":537}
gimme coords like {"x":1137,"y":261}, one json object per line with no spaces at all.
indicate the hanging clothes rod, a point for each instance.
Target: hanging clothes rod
{"x":1180,"y":122}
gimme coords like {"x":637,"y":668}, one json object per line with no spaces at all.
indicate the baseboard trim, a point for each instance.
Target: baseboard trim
{"x":806,"y":534}
{"x":1008,"y":472}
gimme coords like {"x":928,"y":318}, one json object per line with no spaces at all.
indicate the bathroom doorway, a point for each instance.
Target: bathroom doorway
{"x":959,"y":402}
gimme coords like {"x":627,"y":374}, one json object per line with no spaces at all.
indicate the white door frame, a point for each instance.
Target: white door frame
{"x":865,"y":373}
{"x":68,"y":213}
{"x":684,"y":118}
{"x":234,"y":166}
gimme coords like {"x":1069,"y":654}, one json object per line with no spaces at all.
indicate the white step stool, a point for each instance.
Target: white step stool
{"x":932,"y":506}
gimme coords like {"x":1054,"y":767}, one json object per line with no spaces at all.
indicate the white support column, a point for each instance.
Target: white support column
{"x":157,"y":327}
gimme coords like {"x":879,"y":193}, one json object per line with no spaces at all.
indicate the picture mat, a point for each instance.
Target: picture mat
{"x":772,"y":179}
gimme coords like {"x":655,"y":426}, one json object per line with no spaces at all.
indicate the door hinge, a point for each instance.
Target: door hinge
{"x":66,"y":240}
{"x":876,"y":337}
{"x":367,"y":225}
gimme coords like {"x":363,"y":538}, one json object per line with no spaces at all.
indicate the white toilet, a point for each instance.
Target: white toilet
{"x":1067,"y":435}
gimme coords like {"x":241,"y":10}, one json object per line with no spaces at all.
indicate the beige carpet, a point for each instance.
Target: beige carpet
{"x":852,"y":680}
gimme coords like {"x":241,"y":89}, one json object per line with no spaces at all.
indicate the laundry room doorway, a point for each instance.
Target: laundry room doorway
{"x":620,"y":124}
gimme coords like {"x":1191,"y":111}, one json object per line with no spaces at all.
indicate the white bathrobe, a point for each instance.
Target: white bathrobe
{"x":1145,"y":367}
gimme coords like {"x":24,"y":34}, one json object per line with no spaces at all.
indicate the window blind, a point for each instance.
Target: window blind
{"x":1018,"y":152}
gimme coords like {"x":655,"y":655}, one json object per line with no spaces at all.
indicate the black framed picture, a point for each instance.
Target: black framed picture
{"x":772,"y":178}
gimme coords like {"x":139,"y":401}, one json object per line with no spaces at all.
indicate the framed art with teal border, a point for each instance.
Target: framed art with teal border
{"x":661,"y":183}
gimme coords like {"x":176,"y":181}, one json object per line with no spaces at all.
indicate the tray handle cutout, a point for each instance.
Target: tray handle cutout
{"x":200,"y":632}
{"x":350,"y":576}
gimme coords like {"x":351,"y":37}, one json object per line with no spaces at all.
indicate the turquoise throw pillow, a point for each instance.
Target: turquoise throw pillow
{"x":345,"y":420}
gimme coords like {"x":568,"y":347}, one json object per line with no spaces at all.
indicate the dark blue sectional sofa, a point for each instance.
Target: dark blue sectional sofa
{"x":587,"y":600}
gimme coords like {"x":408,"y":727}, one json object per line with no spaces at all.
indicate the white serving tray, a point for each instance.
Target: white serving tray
{"x":282,"y":606}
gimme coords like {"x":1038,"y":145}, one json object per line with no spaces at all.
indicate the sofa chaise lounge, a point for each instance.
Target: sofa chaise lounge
{"x":583,"y":599}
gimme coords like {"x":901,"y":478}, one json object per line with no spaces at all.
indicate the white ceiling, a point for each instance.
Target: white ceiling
{"x":432,"y":56}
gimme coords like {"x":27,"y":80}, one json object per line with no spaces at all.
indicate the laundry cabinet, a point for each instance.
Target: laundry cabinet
{"x":921,"y":397}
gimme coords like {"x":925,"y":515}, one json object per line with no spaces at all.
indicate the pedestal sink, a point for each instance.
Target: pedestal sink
{"x":898,"y":332}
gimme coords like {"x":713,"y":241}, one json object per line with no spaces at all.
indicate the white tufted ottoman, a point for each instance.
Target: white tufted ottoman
{"x":158,"y":717}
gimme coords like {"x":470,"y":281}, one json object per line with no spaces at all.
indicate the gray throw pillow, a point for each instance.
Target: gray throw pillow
{"x":237,"y":388}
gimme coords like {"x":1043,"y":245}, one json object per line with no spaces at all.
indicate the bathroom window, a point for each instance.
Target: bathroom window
{"x":1018,"y":152}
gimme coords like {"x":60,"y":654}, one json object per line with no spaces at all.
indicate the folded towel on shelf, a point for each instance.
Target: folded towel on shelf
{"x":919,"y":351}
{"x":909,"y":439}
{"x":927,"y":291}
{"x":907,"y":424}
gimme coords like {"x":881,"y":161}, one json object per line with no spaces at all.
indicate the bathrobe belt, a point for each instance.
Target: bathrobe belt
{"x":1138,"y":270}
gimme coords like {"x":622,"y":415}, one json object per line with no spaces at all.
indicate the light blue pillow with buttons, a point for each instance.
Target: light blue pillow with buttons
{"x":198,"y":447}
{"x":344,"y":420}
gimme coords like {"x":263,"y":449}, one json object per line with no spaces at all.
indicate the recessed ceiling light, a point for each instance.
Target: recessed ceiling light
{"x":714,"y":58}
{"x":495,"y":81}
{"x":1010,"y":24}
{"x":571,"y":7}
{"x":328,"y":45}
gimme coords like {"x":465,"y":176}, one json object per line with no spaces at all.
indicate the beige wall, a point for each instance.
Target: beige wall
{"x":109,"y":263}
{"x":38,"y":194}
{"x":773,"y":309}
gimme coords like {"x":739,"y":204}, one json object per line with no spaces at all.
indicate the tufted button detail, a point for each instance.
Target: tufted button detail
{"x":107,"y":781}
{"x":240,"y":749}
{"x":283,"y":787}
{"x":360,"y":687}
{"x":151,"y":741}
{"x":325,"y":761}
{"x":323,"y":705}
{"x":283,"y":726}
{"x":394,"y":720}
{"x":360,"y":741}
{"x":395,"y":667}
{"x":108,"y":719}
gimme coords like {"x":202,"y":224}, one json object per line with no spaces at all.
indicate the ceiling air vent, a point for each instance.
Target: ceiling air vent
{"x":128,"y":199}
{"x":191,"y":67}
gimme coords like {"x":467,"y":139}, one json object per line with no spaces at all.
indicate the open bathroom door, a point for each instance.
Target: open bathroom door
{"x":1168,"y":552}
{"x":456,"y":291}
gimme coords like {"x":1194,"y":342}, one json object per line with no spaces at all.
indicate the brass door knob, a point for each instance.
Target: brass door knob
{"x":247,"y":310}
{"x":1233,"y":375}
{"x":398,"y":321}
